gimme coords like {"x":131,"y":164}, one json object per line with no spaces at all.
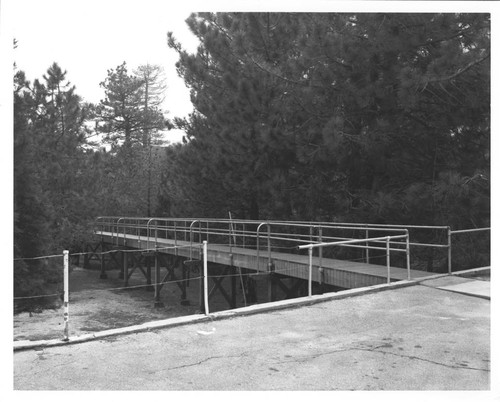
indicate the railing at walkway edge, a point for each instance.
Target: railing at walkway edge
{"x":115,"y":223}
{"x":233,"y":230}
{"x":456,"y":232}
{"x":387,"y":240}
{"x":236,"y":233}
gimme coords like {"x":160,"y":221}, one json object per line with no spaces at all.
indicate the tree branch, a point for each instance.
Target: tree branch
{"x":458,"y":72}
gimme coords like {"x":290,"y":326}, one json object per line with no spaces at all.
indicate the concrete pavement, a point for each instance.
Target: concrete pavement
{"x":466,"y":286}
{"x":419,"y":337}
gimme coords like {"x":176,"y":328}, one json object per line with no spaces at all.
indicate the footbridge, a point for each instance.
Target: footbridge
{"x":312,"y":257}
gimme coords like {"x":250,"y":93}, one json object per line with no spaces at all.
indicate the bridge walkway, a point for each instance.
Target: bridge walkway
{"x":339,"y":273}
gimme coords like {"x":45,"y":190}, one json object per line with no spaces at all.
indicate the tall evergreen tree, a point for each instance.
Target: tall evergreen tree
{"x":119,"y":113}
{"x":153,"y":88}
{"x":49,"y":133}
{"x":133,"y":124}
{"x":341,"y":116}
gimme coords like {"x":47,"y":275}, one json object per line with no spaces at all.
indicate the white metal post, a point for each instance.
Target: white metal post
{"x":367,"y":249}
{"x":449,"y":250}
{"x":268,"y":245}
{"x":310,"y":270}
{"x":408,"y":254}
{"x":66,"y":294}
{"x":205,"y":276}
{"x":320,"y":251}
{"x":388,"y":259}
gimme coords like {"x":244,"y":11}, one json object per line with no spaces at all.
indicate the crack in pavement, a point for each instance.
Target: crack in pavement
{"x":422,"y":359}
{"x":201,"y":362}
{"x":375,"y":349}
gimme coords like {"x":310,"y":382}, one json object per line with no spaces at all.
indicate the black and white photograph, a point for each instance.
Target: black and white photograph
{"x":249,"y":196}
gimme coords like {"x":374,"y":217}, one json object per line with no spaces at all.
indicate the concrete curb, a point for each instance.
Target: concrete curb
{"x":471,"y":271}
{"x":243,"y":311}
{"x":198,"y":318}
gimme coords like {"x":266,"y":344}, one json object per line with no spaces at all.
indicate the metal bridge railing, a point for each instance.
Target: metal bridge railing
{"x":388,"y":249}
{"x":452,"y":233}
{"x":269,"y":237}
{"x":236,"y":232}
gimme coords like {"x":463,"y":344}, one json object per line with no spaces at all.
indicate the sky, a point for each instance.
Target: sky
{"x":86,"y":38}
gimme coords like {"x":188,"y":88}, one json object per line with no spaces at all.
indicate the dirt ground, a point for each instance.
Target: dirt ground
{"x":98,"y":304}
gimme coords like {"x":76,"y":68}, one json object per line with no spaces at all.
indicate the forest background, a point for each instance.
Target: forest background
{"x":377,"y":118}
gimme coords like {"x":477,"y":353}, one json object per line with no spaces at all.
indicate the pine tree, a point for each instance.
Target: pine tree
{"x":339,"y":116}
{"x":119,"y":114}
{"x":50,"y":211}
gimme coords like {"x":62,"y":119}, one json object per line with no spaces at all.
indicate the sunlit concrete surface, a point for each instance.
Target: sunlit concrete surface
{"x":411,"y":338}
{"x":467,"y":286}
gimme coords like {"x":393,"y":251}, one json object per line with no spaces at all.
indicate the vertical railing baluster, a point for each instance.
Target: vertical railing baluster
{"x":388,"y":259}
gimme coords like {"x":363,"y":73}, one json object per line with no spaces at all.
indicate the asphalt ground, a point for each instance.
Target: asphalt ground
{"x":420,"y":337}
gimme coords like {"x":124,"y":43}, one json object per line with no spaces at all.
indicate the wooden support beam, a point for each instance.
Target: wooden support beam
{"x":202,"y":294}
{"x":217,"y":285}
{"x":122,"y":265}
{"x":148,"y":271}
{"x":234,"y":287}
{"x":292,"y":291}
{"x":136,"y":260}
{"x":103,"y":262}
{"x":115,"y":257}
{"x":321,"y":285}
{"x":91,"y":253}
{"x":271,"y":284}
{"x":250,"y":290}
{"x":125,"y":268}
{"x":158,"y":302}
{"x":185,"y":282}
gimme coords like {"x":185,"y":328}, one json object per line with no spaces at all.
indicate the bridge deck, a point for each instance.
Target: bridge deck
{"x":341,"y":273}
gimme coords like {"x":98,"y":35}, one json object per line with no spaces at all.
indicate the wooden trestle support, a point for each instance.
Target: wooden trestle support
{"x":181,"y":271}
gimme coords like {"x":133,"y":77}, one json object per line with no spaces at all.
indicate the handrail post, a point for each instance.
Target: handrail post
{"x":257,"y":241}
{"x":309,"y":284}
{"x":320,"y":251}
{"x":449,"y":250}
{"x":388,"y":258}
{"x":66,"y":294}
{"x":367,"y":233}
{"x":138,"y":232}
{"x":112,"y":227}
{"x":148,"y":233}
{"x":268,"y":247}
{"x":191,"y":238}
{"x":408,"y":254}
{"x":118,"y":230}
{"x":257,"y":238}
{"x":175,"y":237}
{"x":205,"y":276}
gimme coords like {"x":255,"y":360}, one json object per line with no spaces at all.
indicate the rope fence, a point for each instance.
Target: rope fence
{"x":158,"y":249}
{"x":390,"y":243}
